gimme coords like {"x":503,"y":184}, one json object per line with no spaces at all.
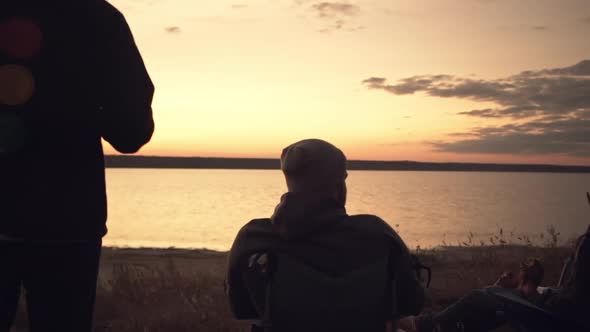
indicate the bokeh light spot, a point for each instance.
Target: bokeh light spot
{"x":16,"y":85}
{"x":20,"y":38}
{"x":12,"y":132}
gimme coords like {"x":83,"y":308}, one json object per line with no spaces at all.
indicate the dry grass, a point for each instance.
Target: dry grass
{"x":182,"y":290}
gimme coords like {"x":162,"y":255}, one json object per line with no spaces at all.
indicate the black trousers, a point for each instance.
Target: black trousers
{"x":59,"y":282}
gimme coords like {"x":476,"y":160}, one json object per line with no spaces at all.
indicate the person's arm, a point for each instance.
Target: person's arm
{"x":409,"y":292}
{"x":506,"y":280}
{"x":126,"y":93}
{"x":238,"y":296}
{"x":236,"y":290}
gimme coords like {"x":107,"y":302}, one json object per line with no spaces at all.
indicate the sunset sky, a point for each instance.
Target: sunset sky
{"x":436,"y":80}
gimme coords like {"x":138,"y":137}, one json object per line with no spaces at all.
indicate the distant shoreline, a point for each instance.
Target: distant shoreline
{"x":118,"y":161}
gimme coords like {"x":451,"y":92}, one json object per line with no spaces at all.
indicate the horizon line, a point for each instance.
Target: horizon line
{"x":355,"y":160}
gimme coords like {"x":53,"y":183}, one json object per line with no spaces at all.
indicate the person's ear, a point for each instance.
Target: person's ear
{"x":344,"y":192}
{"x":341,"y":192}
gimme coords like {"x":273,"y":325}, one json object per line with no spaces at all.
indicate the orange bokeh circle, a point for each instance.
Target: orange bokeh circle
{"x":16,"y":85}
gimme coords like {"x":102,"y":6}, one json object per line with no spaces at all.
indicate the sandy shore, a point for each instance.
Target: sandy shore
{"x":182,"y":290}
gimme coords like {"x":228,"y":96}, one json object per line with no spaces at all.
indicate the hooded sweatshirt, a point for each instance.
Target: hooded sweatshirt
{"x":320,"y":233}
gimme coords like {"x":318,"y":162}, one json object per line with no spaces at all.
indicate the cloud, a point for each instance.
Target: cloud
{"x":540,"y":27}
{"x":356,"y":28}
{"x":172,"y":30}
{"x":569,"y":136}
{"x":528,"y":94}
{"x":334,"y":16}
{"x":335,"y":9}
{"x":551,"y":108}
{"x":375,"y":81}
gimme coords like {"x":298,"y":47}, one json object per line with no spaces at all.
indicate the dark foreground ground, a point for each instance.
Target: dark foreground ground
{"x":182,"y":290}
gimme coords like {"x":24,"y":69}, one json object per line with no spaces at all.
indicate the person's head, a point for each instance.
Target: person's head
{"x":317,"y":168}
{"x":531,"y":274}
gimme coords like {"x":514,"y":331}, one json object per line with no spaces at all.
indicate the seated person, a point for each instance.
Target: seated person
{"x":526,"y":282}
{"x":571,"y":301}
{"x":313,"y":267}
{"x":479,"y":310}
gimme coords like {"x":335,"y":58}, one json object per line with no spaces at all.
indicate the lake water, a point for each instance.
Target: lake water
{"x":206,"y":208}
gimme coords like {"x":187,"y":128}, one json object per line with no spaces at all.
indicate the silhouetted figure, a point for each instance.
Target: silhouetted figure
{"x":572,"y":300}
{"x":311,"y":266}
{"x":70,"y":74}
{"x":519,"y":301}
{"x":480,"y":310}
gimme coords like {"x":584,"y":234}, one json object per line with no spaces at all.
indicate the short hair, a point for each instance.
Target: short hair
{"x":533,"y":271}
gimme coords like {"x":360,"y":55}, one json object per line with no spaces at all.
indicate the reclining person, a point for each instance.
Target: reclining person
{"x":559,"y":308}
{"x":571,"y":302}
{"x":478,"y":310}
{"x":313,"y":267}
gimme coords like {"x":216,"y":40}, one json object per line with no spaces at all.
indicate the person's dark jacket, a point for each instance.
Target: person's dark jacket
{"x":320,"y":233}
{"x":90,"y":84}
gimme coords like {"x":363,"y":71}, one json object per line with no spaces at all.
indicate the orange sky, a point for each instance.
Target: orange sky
{"x":248,"y":78}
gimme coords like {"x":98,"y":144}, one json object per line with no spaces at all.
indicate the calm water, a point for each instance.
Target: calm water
{"x":206,"y":208}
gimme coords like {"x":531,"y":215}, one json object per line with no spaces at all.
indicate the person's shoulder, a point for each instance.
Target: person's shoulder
{"x":370,"y":223}
{"x":375,"y":225}
{"x":258,"y":222}
{"x":255,"y":226}
{"x":258,"y":234}
{"x":103,"y":10}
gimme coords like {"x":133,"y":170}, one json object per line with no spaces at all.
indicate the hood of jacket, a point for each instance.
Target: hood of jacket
{"x":300,"y":214}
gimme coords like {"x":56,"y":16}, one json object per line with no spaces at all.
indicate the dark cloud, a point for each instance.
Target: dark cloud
{"x":528,"y":94}
{"x":172,"y":30}
{"x":566,"y":136}
{"x":483,"y":113}
{"x":375,"y":82}
{"x":580,"y":69}
{"x":552,"y":107}
{"x":540,"y":27}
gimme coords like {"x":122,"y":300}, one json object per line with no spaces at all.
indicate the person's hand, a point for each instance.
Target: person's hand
{"x":406,"y":324}
{"x":507,"y":280}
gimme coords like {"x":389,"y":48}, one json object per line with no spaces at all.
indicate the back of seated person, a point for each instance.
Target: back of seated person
{"x":311,"y":266}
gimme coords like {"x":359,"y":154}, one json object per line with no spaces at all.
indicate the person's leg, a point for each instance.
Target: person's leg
{"x":476,"y":311}
{"x":60,"y":284}
{"x":10,"y":283}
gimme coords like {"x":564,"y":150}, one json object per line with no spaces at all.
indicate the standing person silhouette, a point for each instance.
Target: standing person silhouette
{"x":70,"y":74}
